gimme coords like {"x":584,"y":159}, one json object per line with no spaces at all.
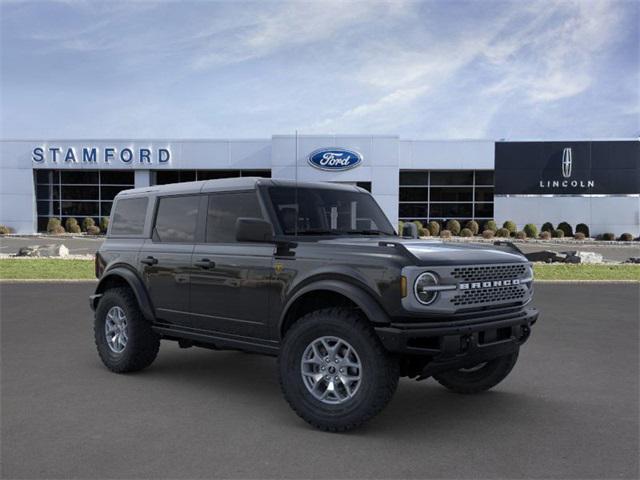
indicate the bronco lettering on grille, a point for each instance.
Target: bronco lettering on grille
{"x":490,"y":284}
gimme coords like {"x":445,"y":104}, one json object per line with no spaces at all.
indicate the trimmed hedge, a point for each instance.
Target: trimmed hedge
{"x":4,"y":230}
{"x":473,"y":226}
{"x":521,"y":235}
{"x":88,"y":222}
{"x":511,"y":226}
{"x":488,"y":234}
{"x":445,"y":234}
{"x":491,"y":225}
{"x":93,"y":230}
{"x":579,"y":236}
{"x":545,"y":235}
{"x":608,"y":236}
{"x":547,"y":227}
{"x":566,"y":228}
{"x":626,"y":237}
{"x":453,"y":226}
{"x":466,"y":232}
{"x":503,"y":233}
{"x":531,"y":230}
{"x":434,"y":228}
{"x":104,"y":224}
{"x":583,"y":228}
{"x":557,"y":233}
{"x":71,"y":225}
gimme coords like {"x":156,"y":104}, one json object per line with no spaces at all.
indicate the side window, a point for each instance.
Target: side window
{"x":128,"y":217}
{"x":224,"y":210}
{"x":176,"y":219}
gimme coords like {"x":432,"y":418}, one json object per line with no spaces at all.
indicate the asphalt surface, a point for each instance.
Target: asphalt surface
{"x":568,"y":410}
{"x":89,"y":245}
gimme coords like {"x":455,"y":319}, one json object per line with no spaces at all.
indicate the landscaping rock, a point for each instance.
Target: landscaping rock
{"x":587,"y":257}
{"x":52,"y":250}
{"x":632,"y":260}
{"x":546,"y":256}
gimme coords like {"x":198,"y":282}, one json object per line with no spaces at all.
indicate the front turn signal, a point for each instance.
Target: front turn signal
{"x":403,"y":286}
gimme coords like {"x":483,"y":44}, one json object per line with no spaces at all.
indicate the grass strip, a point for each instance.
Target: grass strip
{"x":567,"y":271}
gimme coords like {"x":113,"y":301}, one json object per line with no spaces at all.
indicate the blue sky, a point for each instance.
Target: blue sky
{"x":423,"y":70}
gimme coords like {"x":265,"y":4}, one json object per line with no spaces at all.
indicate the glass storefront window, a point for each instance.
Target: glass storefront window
{"x":443,"y":195}
{"x":79,"y":194}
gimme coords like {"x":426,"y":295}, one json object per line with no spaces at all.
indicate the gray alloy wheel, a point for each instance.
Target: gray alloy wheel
{"x":115,"y":329}
{"x":331,"y":370}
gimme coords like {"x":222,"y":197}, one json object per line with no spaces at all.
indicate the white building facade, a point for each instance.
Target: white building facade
{"x":528,"y":182}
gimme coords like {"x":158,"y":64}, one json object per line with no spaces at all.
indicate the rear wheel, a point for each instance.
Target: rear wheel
{"x":334,"y":372}
{"x":480,"y":377}
{"x":124,"y":338}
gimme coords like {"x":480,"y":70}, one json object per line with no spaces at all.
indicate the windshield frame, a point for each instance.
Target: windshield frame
{"x":278,"y":228}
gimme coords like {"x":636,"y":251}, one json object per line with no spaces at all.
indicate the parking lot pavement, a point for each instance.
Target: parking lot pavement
{"x":568,"y":410}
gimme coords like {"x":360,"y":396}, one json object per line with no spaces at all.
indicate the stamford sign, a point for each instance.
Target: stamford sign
{"x":94,"y":155}
{"x":334,"y":159}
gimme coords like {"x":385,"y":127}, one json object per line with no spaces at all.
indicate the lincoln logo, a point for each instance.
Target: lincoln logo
{"x":334,"y":159}
{"x":567,"y":160}
{"x":494,"y":283}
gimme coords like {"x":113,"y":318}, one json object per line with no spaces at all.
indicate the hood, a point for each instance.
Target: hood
{"x":436,"y":252}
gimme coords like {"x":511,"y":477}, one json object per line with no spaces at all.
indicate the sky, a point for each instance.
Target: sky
{"x":420,"y":70}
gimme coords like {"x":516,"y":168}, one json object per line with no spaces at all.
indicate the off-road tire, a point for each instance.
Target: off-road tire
{"x":479,"y":380}
{"x":380,"y":370}
{"x":143,"y":343}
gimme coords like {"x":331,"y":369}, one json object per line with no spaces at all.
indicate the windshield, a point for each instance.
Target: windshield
{"x":324,"y":211}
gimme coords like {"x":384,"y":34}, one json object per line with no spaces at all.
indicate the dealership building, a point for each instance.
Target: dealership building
{"x":596,"y":182}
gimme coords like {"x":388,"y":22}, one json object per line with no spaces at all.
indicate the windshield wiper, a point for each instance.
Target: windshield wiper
{"x":319,"y":232}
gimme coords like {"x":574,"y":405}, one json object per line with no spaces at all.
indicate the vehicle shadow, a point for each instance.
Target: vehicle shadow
{"x":415,"y":406}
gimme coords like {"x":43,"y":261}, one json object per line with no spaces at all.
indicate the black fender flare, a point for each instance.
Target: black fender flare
{"x":136,"y":285}
{"x":365,"y":302}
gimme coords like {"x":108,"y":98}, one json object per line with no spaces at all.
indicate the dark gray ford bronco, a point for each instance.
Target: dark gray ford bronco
{"x":312,"y":273}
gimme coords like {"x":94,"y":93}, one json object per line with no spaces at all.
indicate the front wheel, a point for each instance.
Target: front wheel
{"x":480,"y":377}
{"x":334,"y":372}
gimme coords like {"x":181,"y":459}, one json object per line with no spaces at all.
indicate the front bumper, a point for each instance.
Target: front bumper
{"x":458,"y":343}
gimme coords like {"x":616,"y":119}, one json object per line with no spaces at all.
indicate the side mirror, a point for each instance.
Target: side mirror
{"x":409,"y":230}
{"x":254,"y":230}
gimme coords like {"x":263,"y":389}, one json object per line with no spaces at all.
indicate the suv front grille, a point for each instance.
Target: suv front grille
{"x":491,"y":272}
{"x":511,"y":293}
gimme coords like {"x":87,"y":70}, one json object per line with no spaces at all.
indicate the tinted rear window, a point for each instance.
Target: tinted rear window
{"x":128,"y":217}
{"x":176,"y":219}
{"x":224,"y":210}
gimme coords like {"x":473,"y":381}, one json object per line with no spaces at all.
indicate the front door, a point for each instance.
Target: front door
{"x":231,"y":281}
{"x":165,"y":260}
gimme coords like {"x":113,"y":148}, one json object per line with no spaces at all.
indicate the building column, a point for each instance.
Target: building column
{"x":143,"y":178}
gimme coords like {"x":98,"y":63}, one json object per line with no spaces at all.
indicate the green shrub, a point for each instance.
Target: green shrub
{"x":503,"y":233}
{"x":473,"y":226}
{"x":511,"y":226}
{"x":579,"y":236}
{"x":466,"y":232}
{"x":71,"y":225}
{"x":608,"y":236}
{"x":57,"y":230}
{"x":52,"y":224}
{"x":445,"y":234}
{"x":4,"y":230}
{"x":545,"y":235}
{"x":420,"y":227}
{"x":104,"y":224}
{"x":557,"y":233}
{"x":400,"y":227}
{"x":531,"y":230}
{"x":521,"y":235}
{"x":547,"y":227}
{"x":491,"y":225}
{"x":566,"y":228}
{"x":626,"y":237}
{"x":488,"y":234}
{"x":434,"y":228}
{"x":93,"y":230}
{"x":453,"y":226}
{"x":583,"y":228}
{"x":88,"y":222}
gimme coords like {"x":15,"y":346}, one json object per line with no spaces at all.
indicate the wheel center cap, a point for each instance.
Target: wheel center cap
{"x":332,"y":370}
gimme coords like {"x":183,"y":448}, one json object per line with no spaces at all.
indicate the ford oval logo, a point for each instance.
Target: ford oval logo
{"x":334,"y":159}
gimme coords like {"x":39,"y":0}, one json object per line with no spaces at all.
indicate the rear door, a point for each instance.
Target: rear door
{"x":230,"y":283}
{"x":166,"y":258}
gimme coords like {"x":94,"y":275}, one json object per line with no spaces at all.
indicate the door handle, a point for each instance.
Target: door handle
{"x":205,"y":263}
{"x":149,"y":261}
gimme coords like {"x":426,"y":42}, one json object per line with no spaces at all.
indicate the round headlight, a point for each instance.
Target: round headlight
{"x":423,"y":288}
